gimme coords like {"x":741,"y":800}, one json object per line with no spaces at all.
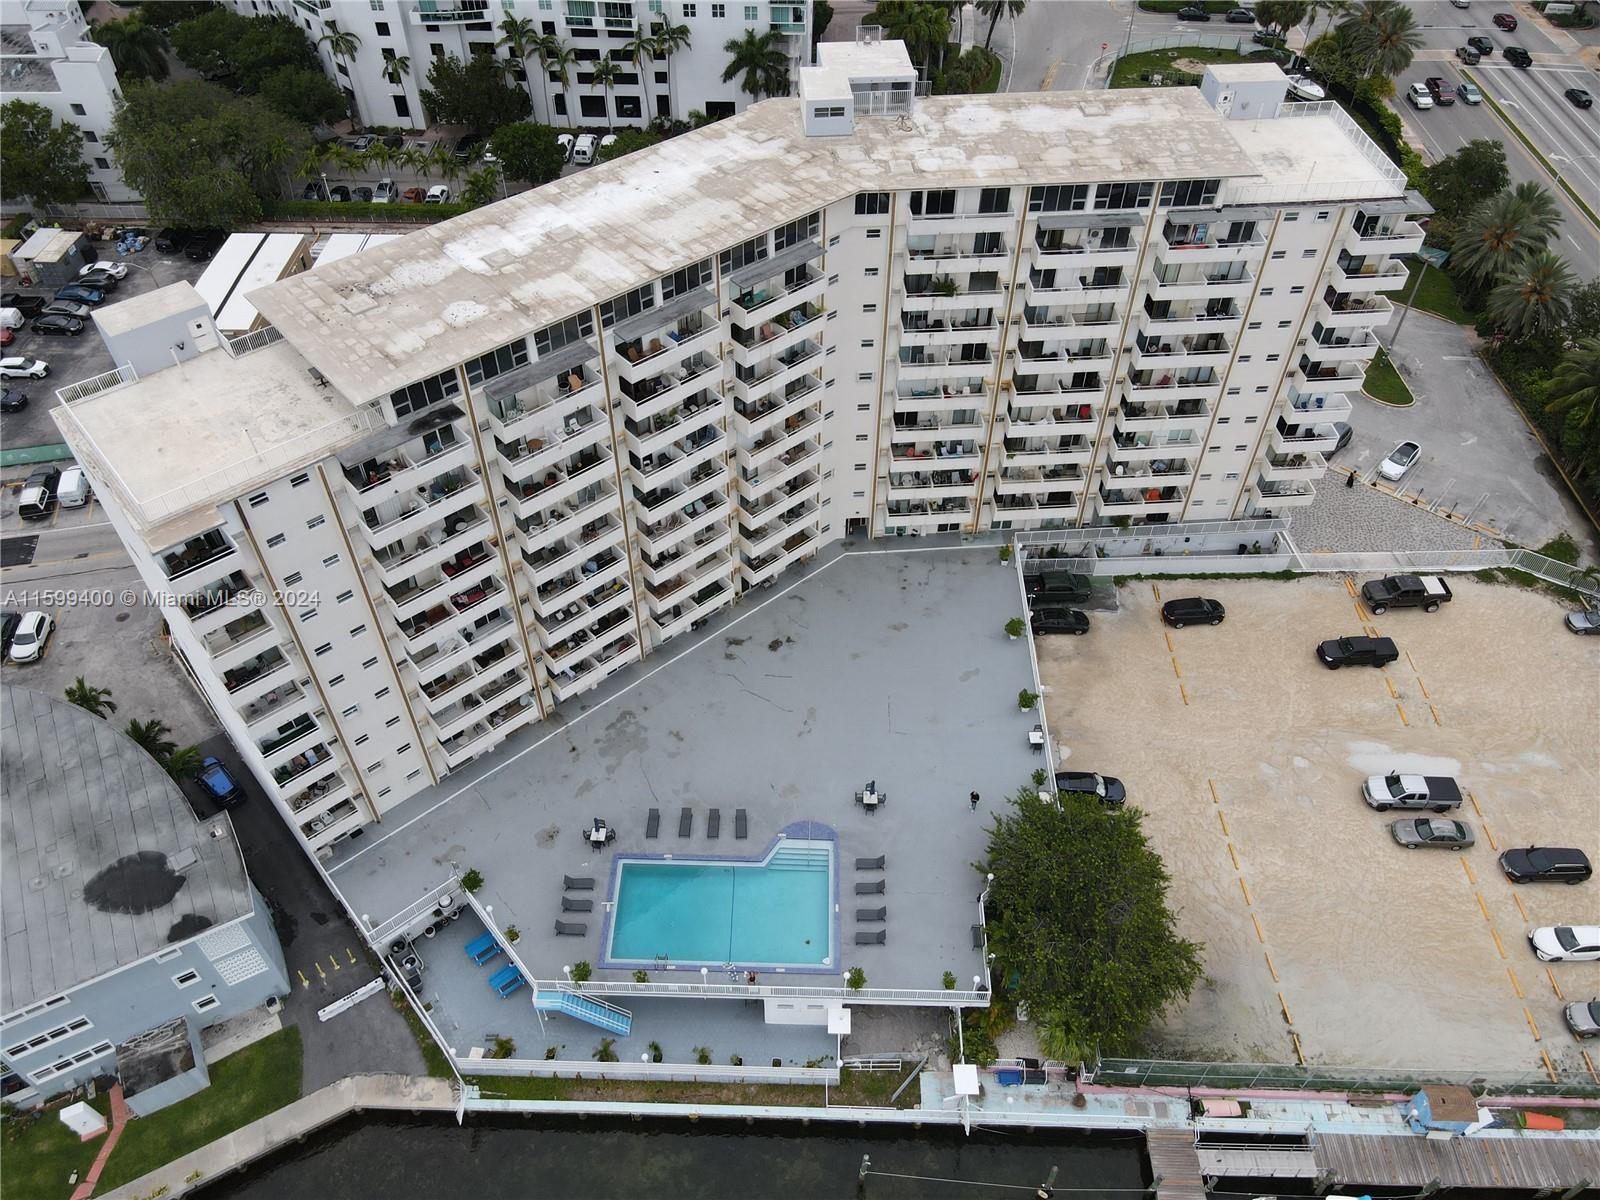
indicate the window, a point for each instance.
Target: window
{"x":1190,"y":193}
{"x":744,"y":254}
{"x":1277,"y":254}
{"x":871,"y":204}
{"x":1231,"y":477}
{"x":413,"y":774}
{"x":331,"y":560}
{"x":861,"y":466}
{"x":497,"y":362}
{"x":186,"y":978}
{"x":358,"y":631}
{"x":406,"y":749}
{"x":344,"y":597}
{"x":363,"y":739}
{"x":874,"y":233}
{"x":258,"y":500}
{"x":1253,"y":325}
{"x":1297,"y":291}
{"x":1122,"y":195}
{"x":369,"y":664}
{"x":1241,"y":448}
{"x":336,"y":681}
{"x":402,"y":107}
{"x":276,"y":539}
{"x":871,"y":272}
{"x":1204,"y":478}
{"x":1284,"y":324}
{"x":719,"y":11}
{"x":314,"y":522}
{"x":1291,"y":216}
{"x":562,"y":333}
{"x":77,"y":110}
{"x":688,"y":11}
{"x":1266,"y":291}
{"x":1274,"y":357}
{"x":89,"y":135}
{"x":797,"y":231}
{"x":103,"y":163}
{"x":1222,"y":421}
{"x":323,"y":649}
{"x":861,"y":437}
{"x":375,"y":766}
{"x":1244,"y":358}
{"x":170,"y":953}
{"x":391,"y":722}
{"x":867,"y":343}
{"x":205,"y":1003}
{"x":994,"y":200}
{"x":308,"y":614}
{"x":629,"y":304}
{"x":1251,"y":420}
{"x":1062,"y":197}
{"x":299,"y":480}
{"x":351,"y":711}
{"x":864,"y":407}
{"x":382,"y":792}
{"x":869,"y":308}
{"x":1324,"y":214}
{"x":934,"y":203}
{"x":750,"y":12}
{"x":420,"y":395}
{"x":381,"y":28}
{"x":1308,"y":253}
{"x":292,"y":578}
{"x":1261,"y":389}
{"x":380,"y":693}
{"x":687,"y":280}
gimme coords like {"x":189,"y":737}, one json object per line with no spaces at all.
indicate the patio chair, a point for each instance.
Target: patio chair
{"x":652,"y":824}
{"x":714,"y":823}
{"x":577,"y":883}
{"x":741,"y":824}
{"x":875,"y":888}
{"x":872,"y":914}
{"x":977,"y":937}
{"x":686,"y":822}
{"x":571,"y":928}
{"x":568,"y":904}
{"x":870,"y":864}
{"x":877,"y":937}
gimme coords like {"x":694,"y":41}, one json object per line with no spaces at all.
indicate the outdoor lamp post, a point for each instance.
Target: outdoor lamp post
{"x":1429,"y":257}
{"x":567,"y":971}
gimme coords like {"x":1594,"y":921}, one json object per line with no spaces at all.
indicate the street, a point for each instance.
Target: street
{"x":1055,"y":46}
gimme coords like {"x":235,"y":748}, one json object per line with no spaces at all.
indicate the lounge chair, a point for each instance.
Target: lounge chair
{"x":977,"y":937}
{"x":583,"y":883}
{"x":568,"y":904}
{"x":714,"y":823}
{"x":686,"y":822}
{"x":741,"y":824}
{"x":872,"y":914}
{"x":875,"y":888}
{"x":870,"y":864}
{"x":878,"y":937}
{"x":652,"y":824}
{"x":571,"y":929}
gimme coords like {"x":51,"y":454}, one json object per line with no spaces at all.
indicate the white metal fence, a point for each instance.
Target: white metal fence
{"x":676,"y":1072}
{"x":246,"y":342}
{"x":97,"y":384}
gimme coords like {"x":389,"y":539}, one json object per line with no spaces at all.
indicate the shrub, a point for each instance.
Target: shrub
{"x":702,"y":1055}
{"x":605,"y":1051}
{"x":855,"y":979}
{"x":1026,"y":699}
{"x":655,"y":1052}
{"x":581,"y":972}
{"x":641,"y":976}
{"x":512,"y":934}
{"x":1005,"y":552}
{"x":735,"y":1060}
{"x":550,"y":1053}
{"x":1014,"y":627}
{"x":949,"y":981}
{"x":472,"y":880}
{"x":1040,"y":777}
{"x":504,"y":1047}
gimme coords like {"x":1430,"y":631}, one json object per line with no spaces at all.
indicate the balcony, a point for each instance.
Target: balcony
{"x":464,"y":607}
{"x":797,"y":428}
{"x":930,"y":485}
{"x":557,"y":559}
{"x":1273,"y":496}
{"x":533,"y":454}
{"x":949,"y":255}
{"x":1057,"y":394}
{"x":926,"y":514}
{"x":775,"y":373}
{"x":1302,"y":464}
{"x":1024,"y":419}
{"x":1316,"y":374}
{"x":777,"y":472}
{"x":209,"y":550}
{"x":585,"y":609}
{"x":322,"y":794}
{"x":658,"y":537}
{"x":560,"y":481}
{"x":949,"y":294}
{"x":426,"y":588}
{"x":802,"y":286}
{"x":654,"y":341}
{"x":1316,"y":406}
{"x":1166,"y":417}
{"x":298,"y":766}
{"x":755,"y":514}
{"x":1352,"y":275}
{"x":693,"y":608}
{"x":438,"y":657}
{"x":285,"y":701}
{"x":944,"y":363}
{"x":1055,"y":323}
{"x":671,"y":576}
{"x":553,"y":595}
{"x":1039,"y":481}
{"x":374,"y":475}
{"x":653,"y":503}
{"x":912,"y":449}
{"x":696,"y":380}
{"x":1089,"y":249}
{"x":753,"y":418}
{"x":453,"y":718}
{"x":1086,"y":360}
{"x":252,"y":679}
{"x":544,"y":393}
{"x":441,"y":542}
{"x":1146,"y":447}
{"x":656,"y":435}
{"x":1289,"y":438}
{"x":401,"y":518}
{"x":1350,"y":346}
{"x":1191,"y":383}
{"x":1337,"y":311}
{"x":233,"y":594}
{"x":1055,"y":510}
{"x":1152,"y":502}
{"x":1376,"y":235}
{"x":756,"y":543}
{"x":1180,"y":243}
{"x":1154,"y":472}
{"x":752,"y":347}
{"x":228,"y":644}
{"x":1198,"y":283}
{"x":1048,"y":452}
{"x":1167,"y":321}
{"x":339,"y":820}
{"x":956,"y":224}
{"x":488,"y":732}
{"x":276,"y":747}
{"x":1155,"y":353}
{"x":564,"y":519}
{"x":1085,"y":285}
{"x":798,"y":545}
{"x":582,"y":676}
{"x":447,"y":687}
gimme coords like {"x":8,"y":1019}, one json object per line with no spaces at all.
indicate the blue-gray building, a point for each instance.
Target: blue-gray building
{"x":127,"y":924}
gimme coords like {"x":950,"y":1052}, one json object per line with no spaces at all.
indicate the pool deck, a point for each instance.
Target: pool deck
{"x":876,"y":665}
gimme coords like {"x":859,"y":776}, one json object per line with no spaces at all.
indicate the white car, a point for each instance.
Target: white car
{"x":564,"y":142}
{"x":384,"y":193}
{"x":23,"y":367}
{"x":610,"y":139}
{"x":114,"y":269}
{"x":1303,"y":88}
{"x":1401,"y":459}
{"x":1566,"y":943}
{"x":32,"y":635}
{"x":583,"y":149}
{"x":72,"y":489}
{"x":1419,"y":96}
{"x":437,"y":194}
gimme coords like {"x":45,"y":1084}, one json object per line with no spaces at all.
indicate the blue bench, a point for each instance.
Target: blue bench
{"x":506,"y":980}
{"x":481,"y":949}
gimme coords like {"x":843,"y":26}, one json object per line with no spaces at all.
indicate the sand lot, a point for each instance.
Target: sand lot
{"x":1247,"y":756}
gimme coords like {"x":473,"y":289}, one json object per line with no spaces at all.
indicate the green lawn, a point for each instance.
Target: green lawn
{"x":37,"y":1156}
{"x":1384,"y":384}
{"x":1126,"y":72}
{"x":1436,"y":294}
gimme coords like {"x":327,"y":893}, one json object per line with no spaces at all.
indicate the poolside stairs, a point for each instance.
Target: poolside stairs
{"x":586,"y":1008}
{"x":800,"y":858}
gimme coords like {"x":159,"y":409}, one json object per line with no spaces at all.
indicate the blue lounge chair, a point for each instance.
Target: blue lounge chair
{"x":481,"y":949}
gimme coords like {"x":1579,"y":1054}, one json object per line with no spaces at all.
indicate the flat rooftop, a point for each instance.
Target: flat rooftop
{"x":102,"y":861}
{"x":1314,"y":152}
{"x":379,"y":320}
{"x":207,"y":429}
{"x":878,"y":665}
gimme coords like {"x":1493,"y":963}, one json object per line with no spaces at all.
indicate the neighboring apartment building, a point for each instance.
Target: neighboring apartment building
{"x":130,"y":924}
{"x":423,"y":30}
{"x":46,"y":58}
{"x":495,"y":461}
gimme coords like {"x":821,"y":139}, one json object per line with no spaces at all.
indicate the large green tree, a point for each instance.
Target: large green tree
{"x":42,"y":161}
{"x":528,"y":152}
{"x":1532,"y":299}
{"x":247,"y":49}
{"x":1575,"y":393}
{"x":305,"y":94}
{"x":1502,"y":231}
{"x":201,"y":156}
{"x":1383,"y":35}
{"x":138,"y":49}
{"x":1078,"y":918}
{"x":473,"y":93}
{"x":759,"y":62}
{"x":1458,"y":183}
{"x":1280,"y":16}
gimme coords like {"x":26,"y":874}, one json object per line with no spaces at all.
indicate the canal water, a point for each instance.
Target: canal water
{"x":375,"y":1157}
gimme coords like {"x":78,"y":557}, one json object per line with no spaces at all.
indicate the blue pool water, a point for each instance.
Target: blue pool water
{"x":693,"y":912}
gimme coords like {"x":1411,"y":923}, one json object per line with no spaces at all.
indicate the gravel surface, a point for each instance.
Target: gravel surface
{"x":1364,"y":518}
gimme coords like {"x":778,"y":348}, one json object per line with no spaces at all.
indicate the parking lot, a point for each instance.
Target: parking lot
{"x":1248,"y":756}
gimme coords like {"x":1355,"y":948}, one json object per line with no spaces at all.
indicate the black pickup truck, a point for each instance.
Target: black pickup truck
{"x":1357,"y":652}
{"x":28,"y":306}
{"x":1426,"y":592}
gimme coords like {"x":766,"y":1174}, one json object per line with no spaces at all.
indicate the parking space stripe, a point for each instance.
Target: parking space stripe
{"x":1184,"y":692}
{"x":1350,"y":586}
{"x":1170,"y":648}
{"x":1589,"y":1062}
{"x":1554,"y":986}
{"x":1155,"y":590}
{"x":1516,"y":984}
{"x":1532,"y":1025}
{"x":1245,"y":888}
{"x":1399,"y":708}
{"x":1233,"y":854}
{"x":1521,"y":907}
{"x":1475,"y":807}
{"x":1260,"y":937}
{"x":1424,"y":688}
{"x":1410,"y":660}
{"x":304,"y":982}
{"x":1213,"y":786}
{"x":1489,"y":833}
{"x":1434,"y":709}
{"x":1470,"y":878}
{"x":1284,"y":1004}
{"x":1483,"y":908}
{"x":1498,"y":944}
{"x":1549,"y":1066}
{"x":1267,"y":954}
{"x":1175,"y":669}
{"x":1393,"y":695}
{"x":1223,"y":818}
{"x":1298,"y":1052}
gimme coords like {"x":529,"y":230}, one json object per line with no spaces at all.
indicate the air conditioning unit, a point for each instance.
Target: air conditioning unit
{"x":1094,"y":236}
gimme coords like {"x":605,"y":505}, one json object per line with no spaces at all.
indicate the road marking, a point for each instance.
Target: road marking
{"x":321,"y":974}
{"x":1549,"y":1066}
{"x":1498,"y":944}
{"x":1260,"y":937}
{"x":304,"y":982}
{"x":1267,"y":954}
{"x":1434,"y":709}
{"x":1521,"y":908}
{"x":1424,"y":688}
{"x":1475,"y":807}
{"x":1298,"y":1052}
{"x":1589,"y":1062}
{"x":1468,"y":870}
{"x":1554,"y":986}
{"x":1222,"y":817}
{"x":1401,"y":710}
{"x":352,"y":955}
{"x":1533,"y":1027}
{"x":1212,"y":784}
{"x":335,"y":962}
{"x":1393,"y":695}
{"x":1245,"y":888}
{"x":1516,"y":984}
{"x":1284,"y":1004}
{"x":1483,"y":908}
{"x":1234,"y":854}
{"x":1178,"y":673}
{"x":1050,"y":76}
{"x":1489,"y":833}
{"x":1184,"y":692}
{"x":1168,"y":636}
{"x":1156,"y":592}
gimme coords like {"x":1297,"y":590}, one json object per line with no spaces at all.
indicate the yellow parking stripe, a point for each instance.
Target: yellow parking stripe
{"x":1223,"y":818}
{"x":1475,"y":807}
{"x":1549,"y":1066}
{"x":1521,"y":907}
{"x":1468,"y":870}
{"x":1489,"y":833}
{"x":1531,"y":1025}
{"x":1589,"y":1062}
{"x":1184,"y":692}
{"x":1175,"y":669}
{"x":1399,"y":708}
{"x":1267,"y":954}
{"x":1424,"y":688}
{"x":1516,"y":984}
{"x":1233,"y":854}
{"x":1483,"y":908}
{"x":1393,"y":695}
{"x":1498,"y":944}
{"x":1260,"y":937}
{"x":1435,"y":711}
{"x":1245,"y":888}
{"x":1213,"y":786}
{"x":1554,"y":986}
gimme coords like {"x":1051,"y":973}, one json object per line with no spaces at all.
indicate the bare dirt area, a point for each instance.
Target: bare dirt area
{"x":1247,"y":755}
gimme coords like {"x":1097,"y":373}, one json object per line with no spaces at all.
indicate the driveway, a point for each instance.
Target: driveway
{"x":1478,"y":456}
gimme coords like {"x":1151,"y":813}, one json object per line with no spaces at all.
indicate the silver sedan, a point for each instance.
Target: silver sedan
{"x":1414,"y":833}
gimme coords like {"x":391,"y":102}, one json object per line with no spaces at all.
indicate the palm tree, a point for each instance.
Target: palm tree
{"x":138,"y":51}
{"x":520,"y":37}
{"x":669,"y":40}
{"x":1534,"y":297}
{"x":558,"y":58}
{"x":924,"y":28}
{"x":381,"y":157}
{"x":151,"y":737}
{"x":420,"y":162}
{"x":481,"y":186}
{"x":1498,"y":234}
{"x":1317,"y":9}
{"x":183,"y":763}
{"x":606,"y":73}
{"x":760,"y":60}
{"x":1541,"y":205}
{"x":1384,"y":36}
{"x":638,"y":50}
{"x":342,"y":45}
{"x":96,"y":700}
{"x":1574,"y":387}
{"x":396,"y":69}
{"x":995,"y":9}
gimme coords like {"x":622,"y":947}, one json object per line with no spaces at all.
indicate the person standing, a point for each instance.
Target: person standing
{"x":974,"y":798}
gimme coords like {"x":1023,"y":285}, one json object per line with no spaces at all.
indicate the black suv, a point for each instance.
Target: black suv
{"x":1193,"y":610}
{"x":205,"y":244}
{"x":170,"y":240}
{"x":1056,"y":587}
{"x":1059,"y":620}
{"x":1107,"y":788}
{"x":1546,"y":864}
{"x":1357,"y":652}
{"x":1518,"y":57}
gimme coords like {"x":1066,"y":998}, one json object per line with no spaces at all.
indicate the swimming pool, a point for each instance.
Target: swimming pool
{"x":773,"y":913}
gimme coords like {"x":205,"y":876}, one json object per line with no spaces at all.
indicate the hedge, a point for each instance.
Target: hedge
{"x":399,"y":213}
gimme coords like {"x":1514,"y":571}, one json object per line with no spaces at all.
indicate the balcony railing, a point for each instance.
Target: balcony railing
{"x":301,"y":763}
{"x":217,"y":596}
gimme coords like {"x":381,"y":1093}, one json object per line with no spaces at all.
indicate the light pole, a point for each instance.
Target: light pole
{"x":1429,"y":257}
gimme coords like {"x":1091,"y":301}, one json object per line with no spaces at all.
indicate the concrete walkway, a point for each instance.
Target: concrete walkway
{"x":402,"y":1093}
{"x":119,"y":1122}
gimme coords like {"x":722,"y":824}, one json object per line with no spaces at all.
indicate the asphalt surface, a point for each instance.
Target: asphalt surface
{"x":1057,"y":45}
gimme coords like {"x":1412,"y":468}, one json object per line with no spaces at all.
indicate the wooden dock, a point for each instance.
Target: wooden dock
{"x":1258,"y":1162}
{"x":1175,"y":1163}
{"x":1520,"y":1161}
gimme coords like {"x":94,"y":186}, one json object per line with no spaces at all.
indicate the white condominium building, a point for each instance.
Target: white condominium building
{"x":689,"y":79}
{"x":468,"y":475}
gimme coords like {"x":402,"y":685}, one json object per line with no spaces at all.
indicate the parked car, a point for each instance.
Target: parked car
{"x":1108,"y":788}
{"x":37,"y":500}
{"x":1566,"y":943}
{"x":1438,"y":792}
{"x":218,"y":783}
{"x":1419,"y":96}
{"x":170,"y":240}
{"x":204,"y":245}
{"x":1579,"y":97}
{"x":1193,"y":610}
{"x":1193,"y":12}
{"x":1357,"y":652}
{"x":466,"y":147}
{"x":584,"y":148}
{"x":7,"y":336}
{"x":362,"y":141}
{"x":1059,"y":620}
{"x":1583,"y":1018}
{"x":384,"y":192}
{"x":1056,"y":587}
{"x":608,"y":140}
{"x":1468,"y":55}
{"x":1240,"y":16}
{"x":1481,"y":44}
{"x":9,"y":621}
{"x":339,"y":193}
{"x":1400,"y":460}
{"x":413,"y":195}
{"x":1265,"y":37}
{"x":106,"y":267}
{"x":1546,"y":864}
{"x":1441,"y":91}
{"x":437,"y":194}
{"x":362,"y":194}
{"x":1582,"y":620}
{"x":314,"y":191}
{"x":1415,"y":833}
{"x":23,"y":367}
{"x":31,"y":637}
{"x":1518,"y":57}
{"x":1468,"y":93}
{"x":73,"y":490}
{"x":12,"y":401}
{"x":56,"y":325}
{"x":1426,"y":592}
{"x":564,"y":143}
{"x":77,"y":293}
{"x":1505,"y":21}
{"x":28,"y":306}
{"x":1302,"y":87}
{"x":1339,"y":431}
{"x":66,"y":308}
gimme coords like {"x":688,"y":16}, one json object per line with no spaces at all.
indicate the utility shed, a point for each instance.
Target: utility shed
{"x":52,"y":257}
